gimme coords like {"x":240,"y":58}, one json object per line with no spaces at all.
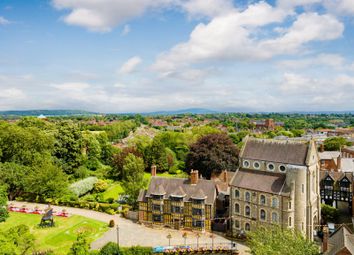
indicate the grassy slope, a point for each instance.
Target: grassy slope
{"x":59,"y":238}
{"x":113,"y":191}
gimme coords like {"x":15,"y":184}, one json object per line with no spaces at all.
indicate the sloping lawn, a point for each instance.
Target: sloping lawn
{"x":113,"y":191}
{"x":59,"y":238}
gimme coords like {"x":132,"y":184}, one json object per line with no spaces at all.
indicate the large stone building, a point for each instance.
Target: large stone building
{"x":178,"y":202}
{"x":277,"y":183}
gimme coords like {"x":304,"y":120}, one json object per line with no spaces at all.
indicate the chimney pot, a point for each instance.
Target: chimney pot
{"x":339,"y":163}
{"x":194,"y":177}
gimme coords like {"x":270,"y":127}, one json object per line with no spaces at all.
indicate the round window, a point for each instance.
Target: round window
{"x":270,"y":166}
{"x":246,"y":163}
{"x":282,"y":168}
{"x":256,"y":165}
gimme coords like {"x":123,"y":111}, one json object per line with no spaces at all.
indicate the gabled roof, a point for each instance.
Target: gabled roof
{"x":287,"y":152}
{"x":342,"y":238}
{"x":173,"y":186}
{"x":329,"y":154}
{"x":262,"y":181}
{"x":336,"y":176}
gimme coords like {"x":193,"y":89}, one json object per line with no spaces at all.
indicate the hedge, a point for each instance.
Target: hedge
{"x":83,"y":186}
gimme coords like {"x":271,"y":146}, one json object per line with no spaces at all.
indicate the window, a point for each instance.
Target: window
{"x":247,"y":196}
{"x":270,"y":167}
{"x":289,"y":205}
{"x":282,"y":168}
{"x":178,"y":199}
{"x":237,"y":193}
{"x":247,"y":227}
{"x":157,"y":218}
{"x":246,"y":163}
{"x":198,"y":201}
{"x":237,"y":208}
{"x":289,"y":221}
{"x":256,"y":165}
{"x":198,"y":223}
{"x":275,"y":202}
{"x":262,"y":200}
{"x":263,"y":215}
{"x":157,"y":197}
{"x":303,"y":188}
{"x":197,"y":211}
{"x":274,"y":217}
{"x":176,"y":209}
{"x":156,"y":207}
{"x":237,"y":224}
{"x":247,"y":210}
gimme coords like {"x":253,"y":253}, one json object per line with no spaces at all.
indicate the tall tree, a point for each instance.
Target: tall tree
{"x":16,"y":241}
{"x":81,"y":246}
{"x":274,"y":241}
{"x":212,"y":153}
{"x":3,"y":204}
{"x":335,"y":143}
{"x":13,"y":176}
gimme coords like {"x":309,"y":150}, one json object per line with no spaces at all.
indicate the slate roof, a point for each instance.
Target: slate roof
{"x":288,"y":152}
{"x":329,"y":154}
{"x":178,"y":186}
{"x":342,"y":238}
{"x":336,"y":176}
{"x":262,"y":181}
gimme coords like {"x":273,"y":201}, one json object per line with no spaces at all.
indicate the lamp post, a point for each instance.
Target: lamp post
{"x":169,"y":236}
{"x":118,"y":238}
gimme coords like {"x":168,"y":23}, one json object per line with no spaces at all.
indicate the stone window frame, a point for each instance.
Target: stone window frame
{"x":260,"y":215}
{"x":260,"y":199}
{"x":249,"y":226}
{"x":249,"y":210}
{"x":248,"y":195}
{"x":237,"y":193}
{"x":289,"y":221}
{"x":237,"y":226}
{"x":239,"y":208}
{"x":277,"y":217}
{"x":277,"y":202}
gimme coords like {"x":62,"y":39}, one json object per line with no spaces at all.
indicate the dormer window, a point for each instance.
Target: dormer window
{"x":256,"y":165}
{"x":246,"y":164}
{"x":270,"y":167}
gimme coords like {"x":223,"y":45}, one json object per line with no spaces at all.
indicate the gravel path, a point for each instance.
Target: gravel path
{"x":131,"y":233}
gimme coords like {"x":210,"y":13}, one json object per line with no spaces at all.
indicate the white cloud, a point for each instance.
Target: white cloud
{"x":330,"y":60}
{"x":130,"y":66}
{"x":4,"y":21}
{"x":209,"y":8}
{"x":290,"y":4}
{"x":104,"y":15}
{"x":12,"y":94}
{"x":341,"y":7}
{"x":74,"y":87}
{"x":126,"y":30}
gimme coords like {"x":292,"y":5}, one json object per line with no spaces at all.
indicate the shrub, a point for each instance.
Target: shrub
{"x":101,"y":186}
{"x":111,"y":224}
{"x":81,"y":172}
{"x":104,"y":207}
{"x":110,"y":200}
{"x":109,"y":249}
{"x":82,"y":187}
{"x":111,"y":211}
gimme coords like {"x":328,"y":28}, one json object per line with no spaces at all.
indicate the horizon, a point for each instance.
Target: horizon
{"x":273,"y":56}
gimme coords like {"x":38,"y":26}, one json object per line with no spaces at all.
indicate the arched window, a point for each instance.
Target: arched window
{"x":263,"y":215}
{"x":247,"y":210}
{"x":247,"y":196}
{"x":262,"y":200}
{"x":237,"y":193}
{"x":237,"y":208}
{"x":275,"y":202}
{"x":237,"y":224}
{"x":274,"y":217}
{"x":247,"y":227}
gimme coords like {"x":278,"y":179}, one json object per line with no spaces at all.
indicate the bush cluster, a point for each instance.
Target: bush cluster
{"x":83,"y":186}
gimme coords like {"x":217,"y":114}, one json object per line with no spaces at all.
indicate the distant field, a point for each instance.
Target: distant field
{"x":59,"y":238}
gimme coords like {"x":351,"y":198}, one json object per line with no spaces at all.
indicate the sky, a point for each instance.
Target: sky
{"x":118,"y":56}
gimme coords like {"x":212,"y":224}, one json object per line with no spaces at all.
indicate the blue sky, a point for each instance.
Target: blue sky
{"x":148,"y":55}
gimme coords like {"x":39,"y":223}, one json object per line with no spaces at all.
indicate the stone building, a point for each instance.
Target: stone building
{"x":277,"y":183}
{"x":178,"y":202}
{"x":341,"y":242}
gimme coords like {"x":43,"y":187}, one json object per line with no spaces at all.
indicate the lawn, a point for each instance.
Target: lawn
{"x":113,"y":191}
{"x":59,"y":238}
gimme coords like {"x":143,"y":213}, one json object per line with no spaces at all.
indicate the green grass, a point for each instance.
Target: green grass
{"x":59,"y":238}
{"x":113,"y":191}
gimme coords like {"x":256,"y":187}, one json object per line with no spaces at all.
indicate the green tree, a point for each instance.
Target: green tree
{"x":81,"y":246}
{"x":13,"y":176}
{"x":156,"y":154}
{"x":16,"y":241}
{"x":273,"y":240}
{"x":3,"y":204}
{"x":214,"y":152}
{"x":335,"y":143}
{"x":329,"y":213}
{"x":133,"y":177}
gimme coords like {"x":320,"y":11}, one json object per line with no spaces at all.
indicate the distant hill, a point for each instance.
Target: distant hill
{"x":46,"y":113}
{"x":183,"y":111}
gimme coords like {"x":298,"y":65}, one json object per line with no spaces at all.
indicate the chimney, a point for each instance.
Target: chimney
{"x":224,"y":176}
{"x":322,"y":148}
{"x":194,"y":177}
{"x":325,"y":239}
{"x":339,"y":163}
{"x":153,"y":170}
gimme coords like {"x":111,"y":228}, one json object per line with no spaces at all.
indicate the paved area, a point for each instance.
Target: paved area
{"x":131,"y":233}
